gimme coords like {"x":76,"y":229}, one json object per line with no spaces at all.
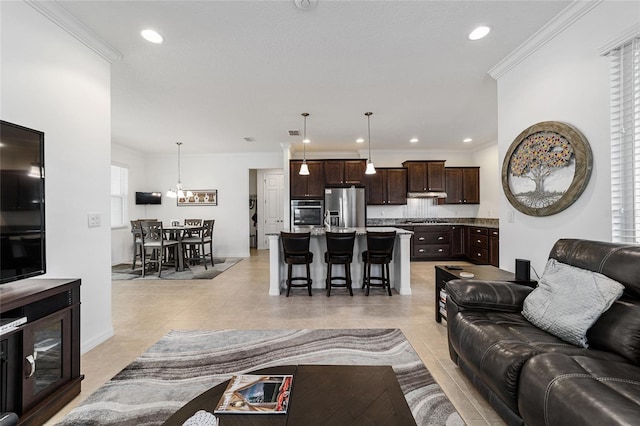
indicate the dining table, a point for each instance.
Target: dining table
{"x":178,"y":232}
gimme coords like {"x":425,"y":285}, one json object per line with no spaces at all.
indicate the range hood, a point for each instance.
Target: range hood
{"x":430,"y":194}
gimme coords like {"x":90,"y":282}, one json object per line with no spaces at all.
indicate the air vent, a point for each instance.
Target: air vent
{"x":294,"y":132}
{"x":250,"y":139}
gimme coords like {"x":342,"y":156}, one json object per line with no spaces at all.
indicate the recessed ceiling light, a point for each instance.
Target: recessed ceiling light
{"x":479,"y":32}
{"x":414,"y":140}
{"x":152,"y":36}
{"x":306,"y":141}
{"x":467,"y":140}
{"x":359,"y":140}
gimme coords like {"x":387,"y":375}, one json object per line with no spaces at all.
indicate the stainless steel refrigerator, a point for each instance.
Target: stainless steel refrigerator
{"x":345,"y":207}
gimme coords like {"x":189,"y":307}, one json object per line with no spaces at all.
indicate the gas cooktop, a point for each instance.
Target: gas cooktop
{"x":411,"y":222}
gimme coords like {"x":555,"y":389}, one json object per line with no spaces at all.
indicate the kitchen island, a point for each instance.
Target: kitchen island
{"x":399,"y":269}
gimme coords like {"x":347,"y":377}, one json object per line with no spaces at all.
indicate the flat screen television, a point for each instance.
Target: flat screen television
{"x":148,"y":198}
{"x":22,"y":219}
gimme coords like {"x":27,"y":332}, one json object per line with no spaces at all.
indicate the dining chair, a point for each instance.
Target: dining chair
{"x":136,"y":233}
{"x":295,"y":246}
{"x":154,"y":239}
{"x":197,"y":244}
{"x":379,"y":252}
{"x":191,"y":250}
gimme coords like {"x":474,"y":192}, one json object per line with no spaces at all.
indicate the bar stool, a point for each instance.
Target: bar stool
{"x":379,"y":252}
{"x":295,"y":246}
{"x":339,"y":252}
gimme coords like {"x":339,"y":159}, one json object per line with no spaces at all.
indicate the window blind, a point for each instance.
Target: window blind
{"x":625,"y":142}
{"x":119,"y":188}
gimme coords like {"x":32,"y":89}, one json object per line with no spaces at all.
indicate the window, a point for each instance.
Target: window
{"x":119,"y":189}
{"x":625,"y":142}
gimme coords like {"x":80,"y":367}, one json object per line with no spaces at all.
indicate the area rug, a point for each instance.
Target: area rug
{"x":123,"y":271}
{"x":183,"y":364}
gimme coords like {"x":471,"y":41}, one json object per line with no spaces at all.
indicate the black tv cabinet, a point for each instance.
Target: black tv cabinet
{"x":40,"y":362}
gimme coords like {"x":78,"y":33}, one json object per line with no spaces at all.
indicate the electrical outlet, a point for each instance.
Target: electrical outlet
{"x":94,"y":220}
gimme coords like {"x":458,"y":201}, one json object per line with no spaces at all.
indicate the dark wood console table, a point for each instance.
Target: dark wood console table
{"x":326,"y":394}
{"x":480,"y":272}
{"x":40,"y":359}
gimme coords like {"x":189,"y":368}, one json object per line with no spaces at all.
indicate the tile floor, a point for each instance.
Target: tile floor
{"x":238,"y":299}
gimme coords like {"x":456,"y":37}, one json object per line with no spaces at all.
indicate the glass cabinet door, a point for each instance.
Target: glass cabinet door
{"x":46,"y":348}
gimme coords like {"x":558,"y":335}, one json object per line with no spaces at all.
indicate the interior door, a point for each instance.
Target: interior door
{"x":273,"y":206}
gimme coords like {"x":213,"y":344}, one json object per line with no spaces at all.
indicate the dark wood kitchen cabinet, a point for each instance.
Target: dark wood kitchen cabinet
{"x":479,"y":245}
{"x":387,"y":187}
{"x":344,"y":172}
{"x":462,"y":185}
{"x":306,"y":186}
{"x":425,"y":176}
{"x":457,"y":239}
{"x":494,"y":247}
{"x":431,"y":242}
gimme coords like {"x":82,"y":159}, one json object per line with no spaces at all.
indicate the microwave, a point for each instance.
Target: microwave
{"x":307,"y":213}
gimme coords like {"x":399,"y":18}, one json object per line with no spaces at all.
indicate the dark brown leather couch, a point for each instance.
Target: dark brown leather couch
{"x":532,"y":377}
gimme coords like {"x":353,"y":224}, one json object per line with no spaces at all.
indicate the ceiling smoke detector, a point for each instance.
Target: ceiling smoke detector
{"x":305,"y":4}
{"x":294,"y":132}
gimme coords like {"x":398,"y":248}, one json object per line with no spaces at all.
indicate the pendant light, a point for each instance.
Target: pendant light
{"x":179,"y":192}
{"x":304,"y":169}
{"x":371,"y":170}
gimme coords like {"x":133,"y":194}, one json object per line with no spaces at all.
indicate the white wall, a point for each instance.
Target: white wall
{"x":565,"y":80}
{"x":490,"y":185}
{"x":229,"y":174}
{"x":53,"y":83}
{"x":121,"y":240}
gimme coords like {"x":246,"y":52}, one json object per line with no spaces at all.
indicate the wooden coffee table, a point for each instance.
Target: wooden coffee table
{"x":323,"y":395}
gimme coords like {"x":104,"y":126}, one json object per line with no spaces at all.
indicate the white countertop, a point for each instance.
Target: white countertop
{"x":359,"y":231}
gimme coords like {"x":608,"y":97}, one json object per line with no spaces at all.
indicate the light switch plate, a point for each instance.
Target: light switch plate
{"x":94,"y":220}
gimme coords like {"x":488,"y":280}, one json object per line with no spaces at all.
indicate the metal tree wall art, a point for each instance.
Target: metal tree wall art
{"x":546,"y":168}
{"x":537,"y":158}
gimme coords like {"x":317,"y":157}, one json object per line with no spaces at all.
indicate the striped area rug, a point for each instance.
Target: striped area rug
{"x":183,"y":364}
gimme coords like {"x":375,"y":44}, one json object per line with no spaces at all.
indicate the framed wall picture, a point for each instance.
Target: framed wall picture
{"x":546,"y":168}
{"x":200,"y":197}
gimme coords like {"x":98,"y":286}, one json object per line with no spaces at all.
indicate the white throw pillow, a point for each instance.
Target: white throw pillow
{"x":568,"y":300}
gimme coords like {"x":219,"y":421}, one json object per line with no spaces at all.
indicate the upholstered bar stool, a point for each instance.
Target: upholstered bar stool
{"x":295,"y":246}
{"x":379,"y":252}
{"x":339,"y":252}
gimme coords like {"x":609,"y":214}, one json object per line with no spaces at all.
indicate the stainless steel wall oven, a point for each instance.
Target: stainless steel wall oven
{"x":307,"y":213}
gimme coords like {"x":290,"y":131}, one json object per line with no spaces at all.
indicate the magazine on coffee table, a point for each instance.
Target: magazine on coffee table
{"x":256,"y":394}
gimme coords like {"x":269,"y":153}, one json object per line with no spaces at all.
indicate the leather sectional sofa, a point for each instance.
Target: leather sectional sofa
{"x":532,"y":377}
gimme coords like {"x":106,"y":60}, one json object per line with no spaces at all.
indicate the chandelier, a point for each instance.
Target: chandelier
{"x":180,"y":191}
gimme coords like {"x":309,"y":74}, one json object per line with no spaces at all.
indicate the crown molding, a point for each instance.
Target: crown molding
{"x":622,"y":38}
{"x":548,"y":32}
{"x":57,"y":14}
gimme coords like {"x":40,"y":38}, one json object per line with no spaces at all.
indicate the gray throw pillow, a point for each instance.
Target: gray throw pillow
{"x":568,"y":300}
